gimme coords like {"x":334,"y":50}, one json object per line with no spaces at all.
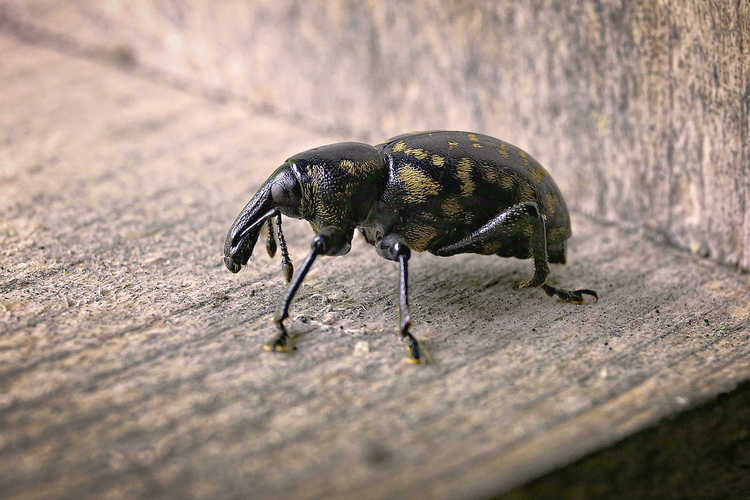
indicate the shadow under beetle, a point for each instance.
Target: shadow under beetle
{"x":442,"y":192}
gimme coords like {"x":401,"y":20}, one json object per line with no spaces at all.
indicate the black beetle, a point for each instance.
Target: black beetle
{"x":443,"y":192}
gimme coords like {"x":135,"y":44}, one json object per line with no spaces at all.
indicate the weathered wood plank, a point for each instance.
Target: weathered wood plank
{"x":131,"y":362}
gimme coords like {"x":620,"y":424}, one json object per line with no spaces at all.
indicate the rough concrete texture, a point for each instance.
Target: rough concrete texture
{"x":131,"y":363}
{"x":640,"y":109}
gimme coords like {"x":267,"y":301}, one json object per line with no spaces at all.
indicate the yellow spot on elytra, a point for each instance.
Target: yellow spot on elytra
{"x":427,"y":216}
{"x":474,"y":141}
{"x":503,"y":150}
{"x":488,"y":173}
{"x":527,"y":194}
{"x":464,"y":174}
{"x":537,"y":173}
{"x":507,"y":182}
{"x":399,"y":146}
{"x":419,"y":154}
{"x":551,"y":200}
{"x":438,"y":161}
{"x":525,"y":157}
{"x":419,"y":187}
{"x":452,"y":145}
{"x":418,"y":236}
{"x":451,"y":207}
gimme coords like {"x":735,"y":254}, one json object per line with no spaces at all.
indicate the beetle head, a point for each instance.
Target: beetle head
{"x":279,"y":194}
{"x":329,"y":186}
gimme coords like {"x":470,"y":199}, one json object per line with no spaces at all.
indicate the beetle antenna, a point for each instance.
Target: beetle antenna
{"x":286,"y":263}
{"x":270,"y":239}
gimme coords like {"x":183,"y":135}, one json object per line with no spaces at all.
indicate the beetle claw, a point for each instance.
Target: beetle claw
{"x":529,"y":284}
{"x":282,"y":342}
{"x":572,"y":296}
{"x":412,"y":349}
{"x":279,"y":344}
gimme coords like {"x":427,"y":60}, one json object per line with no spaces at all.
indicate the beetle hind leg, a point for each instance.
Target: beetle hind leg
{"x":520,"y":229}
{"x":524,"y":219}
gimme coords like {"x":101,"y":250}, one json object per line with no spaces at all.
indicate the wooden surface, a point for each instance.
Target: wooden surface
{"x":131,"y":363}
{"x":701,"y":453}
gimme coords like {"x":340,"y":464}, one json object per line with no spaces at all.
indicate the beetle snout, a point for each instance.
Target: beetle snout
{"x":239,"y":249}
{"x":239,"y":245}
{"x":232,"y":264}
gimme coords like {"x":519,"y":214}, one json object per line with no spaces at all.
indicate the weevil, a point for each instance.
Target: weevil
{"x":442,"y":192}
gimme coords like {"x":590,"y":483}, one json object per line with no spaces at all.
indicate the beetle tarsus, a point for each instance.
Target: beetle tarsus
{"x":412,"y":348}
{"x":282,"y":342}
{"x":572,"y":296}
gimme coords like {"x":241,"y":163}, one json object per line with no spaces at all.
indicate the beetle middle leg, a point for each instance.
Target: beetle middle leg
{"x":393,"y":247}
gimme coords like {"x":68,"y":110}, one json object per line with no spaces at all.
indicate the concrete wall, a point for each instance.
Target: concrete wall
{"x":639,"y":108}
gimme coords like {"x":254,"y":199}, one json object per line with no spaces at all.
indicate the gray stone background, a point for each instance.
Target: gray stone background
{"x":132,"y":133}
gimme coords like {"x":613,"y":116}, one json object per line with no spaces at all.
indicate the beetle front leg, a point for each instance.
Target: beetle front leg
{"x":281,"y":342}
{"x":394,"y":248}
{"x":331,"y":241}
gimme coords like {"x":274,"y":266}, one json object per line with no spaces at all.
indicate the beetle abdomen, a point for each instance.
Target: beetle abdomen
{"x":445,"y":185}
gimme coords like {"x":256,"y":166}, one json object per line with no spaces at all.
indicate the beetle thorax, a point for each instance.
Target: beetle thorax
{"x":339,"y":184}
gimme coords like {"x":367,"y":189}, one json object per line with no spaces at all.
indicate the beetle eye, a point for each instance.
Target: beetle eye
{"x":287,"y":194}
